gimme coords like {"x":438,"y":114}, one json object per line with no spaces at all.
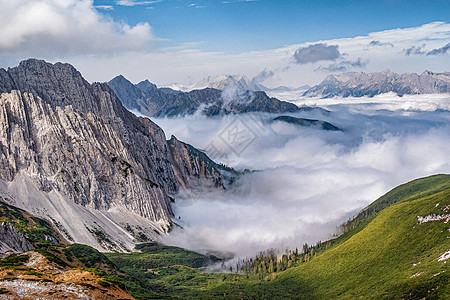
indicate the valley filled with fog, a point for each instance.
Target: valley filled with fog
{"x":305,"y":182}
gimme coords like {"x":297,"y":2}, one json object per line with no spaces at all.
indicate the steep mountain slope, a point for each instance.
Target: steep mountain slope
{"x":71,"y":152}
{"x":166,"y":102}
{"x":354,"y":84}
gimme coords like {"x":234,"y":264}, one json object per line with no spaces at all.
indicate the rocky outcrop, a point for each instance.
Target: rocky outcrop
{"x":197,"y":168}
{"x":12,"y":240}
{"x":210,"y":101}
{"x":77,"y":139}
{"x":354,"y":84}
{"x":318,"y":124}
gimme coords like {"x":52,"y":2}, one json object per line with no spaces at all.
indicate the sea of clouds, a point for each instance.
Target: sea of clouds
{"x":306,"y":181}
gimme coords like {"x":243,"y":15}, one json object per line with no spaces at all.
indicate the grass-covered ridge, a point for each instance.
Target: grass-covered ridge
{"x":386,"y":253}
{"x":36,"y":230}
{"x":392,"y":257}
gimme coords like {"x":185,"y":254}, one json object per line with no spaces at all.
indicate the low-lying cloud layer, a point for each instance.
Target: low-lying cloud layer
{"x":308,"y":181}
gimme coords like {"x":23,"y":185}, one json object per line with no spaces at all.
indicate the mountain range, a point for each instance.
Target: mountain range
{"x":71,"y":152}
{"x":149,"y":100}
{"x":353,"y":84}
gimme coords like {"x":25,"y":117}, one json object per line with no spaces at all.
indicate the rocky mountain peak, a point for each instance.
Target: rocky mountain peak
{"x":146,"y":86}
{"x":426,"y":72}
{"x":67,"y":141}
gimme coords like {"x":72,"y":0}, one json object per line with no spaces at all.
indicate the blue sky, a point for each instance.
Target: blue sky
{"x":178,"y":43}
{"x":266,"y":24}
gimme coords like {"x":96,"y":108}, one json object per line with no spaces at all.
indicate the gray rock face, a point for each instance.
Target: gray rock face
{"x":12,"y":240}
{"x":78,"y":139}
{"x":354,"y":84}
{"x":198,"y":169}
{"x":167,"y":102}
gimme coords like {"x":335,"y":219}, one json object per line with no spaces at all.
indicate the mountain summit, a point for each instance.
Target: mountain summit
{"x":165,"y":102}
{"x":71,"y":152}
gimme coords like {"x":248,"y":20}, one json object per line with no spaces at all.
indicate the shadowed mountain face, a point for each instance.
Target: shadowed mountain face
{"x":148,"y":100}
{"x":69,"y":147}
{"x":308,"y":123}
{"x":354,"y":84}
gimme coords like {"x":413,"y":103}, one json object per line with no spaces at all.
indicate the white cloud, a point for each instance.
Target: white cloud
{"x":310,"y":181}
{"x":105,"y":7}
{"x":136,"y":2}
{"x":64,"y":29}
{"x":75,"y":31}
{"x":189,"y":65}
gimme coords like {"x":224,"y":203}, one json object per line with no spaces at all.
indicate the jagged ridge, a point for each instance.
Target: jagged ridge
{"x":167,"y":102}
{"x":353,"y":84}
{"x":76,"y":139}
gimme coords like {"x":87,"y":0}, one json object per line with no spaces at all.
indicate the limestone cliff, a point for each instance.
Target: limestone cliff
{"x":75,"y":141}
{"x":12,"y":240}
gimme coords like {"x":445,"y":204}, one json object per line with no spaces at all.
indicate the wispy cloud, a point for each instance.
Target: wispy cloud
{"x":441,"y":50}
{"x":414,"y":50}
{"x":196,"y":5}
{"x":342,"y":66}
{"x":262,"y":76}
{"x":235,"y":1}
{"x":136,"y":2}
{"x":380,"y":44}
{"x":420,"y":50}
{"x":105,"y":7}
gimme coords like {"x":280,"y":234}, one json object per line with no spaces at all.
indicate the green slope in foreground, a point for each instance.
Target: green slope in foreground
{"x":392,"y":257}
{"x":386,"y":254}
{"x":381,"y":260}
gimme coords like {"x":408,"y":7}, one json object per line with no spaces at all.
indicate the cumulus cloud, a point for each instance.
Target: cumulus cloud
{"x":59,"y":28}
{"x":315,"y":53}
{"x":342,"y":66}
{"x":309,"y":181}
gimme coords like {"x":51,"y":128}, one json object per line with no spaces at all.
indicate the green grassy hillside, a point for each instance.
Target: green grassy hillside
{"x":386,"y":253}
{"x":36,"y":230}
{"x":392,"y":257}
{"x":381,"y":260}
